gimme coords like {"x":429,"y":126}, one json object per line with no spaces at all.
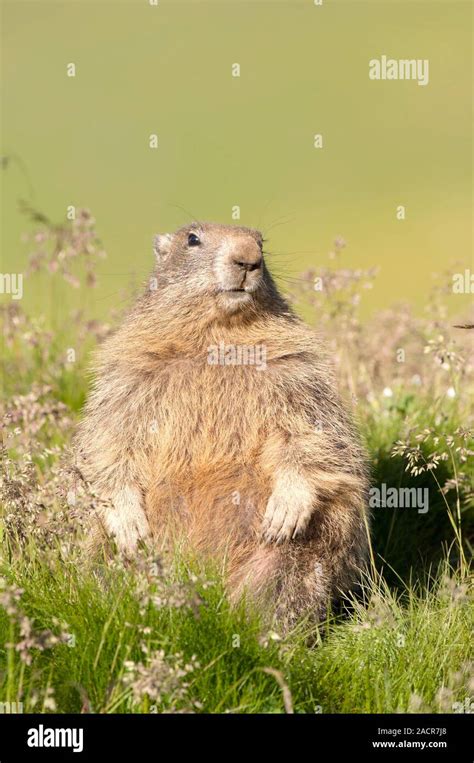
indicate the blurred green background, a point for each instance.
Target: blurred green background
{"x":246,"y":141}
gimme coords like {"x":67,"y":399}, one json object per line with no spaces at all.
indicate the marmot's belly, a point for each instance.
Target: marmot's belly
{"x":211,"y":508}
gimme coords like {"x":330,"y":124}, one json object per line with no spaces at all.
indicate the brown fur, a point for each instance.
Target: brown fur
{"x":260,"y":467}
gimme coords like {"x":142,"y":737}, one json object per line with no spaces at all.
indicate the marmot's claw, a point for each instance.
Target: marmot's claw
{"x":127,"y":521}
{"x":286,"y":517}
{"x":128,"y":538}
{"x":278,"y":525}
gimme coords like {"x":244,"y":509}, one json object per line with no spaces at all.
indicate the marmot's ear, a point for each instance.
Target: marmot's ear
{"x":162,"y":246}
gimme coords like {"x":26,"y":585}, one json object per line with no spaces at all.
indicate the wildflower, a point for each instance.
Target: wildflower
{"x":10,"y":598}
{"x":267,"y":638}
{"x":444,"y":699}
{"x":416,"y":704}
{"x":452,"y":590}
{"x":47,"y":700}
{"x":160,"y":678}
{"x":57,"y":247}
{"x":35,"y":640}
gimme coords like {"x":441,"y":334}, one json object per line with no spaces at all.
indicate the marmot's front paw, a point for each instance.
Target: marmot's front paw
{"x":127,"y":521}
{"x":288,"y":511}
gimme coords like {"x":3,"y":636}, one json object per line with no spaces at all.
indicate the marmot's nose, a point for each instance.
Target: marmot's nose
{"x":248,"y":266}
{"x":248,"y":260}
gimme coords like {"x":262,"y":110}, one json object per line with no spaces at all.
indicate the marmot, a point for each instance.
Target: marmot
{"x":214,"y":418}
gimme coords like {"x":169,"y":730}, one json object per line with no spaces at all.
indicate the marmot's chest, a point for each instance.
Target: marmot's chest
{"x":211,"y":412}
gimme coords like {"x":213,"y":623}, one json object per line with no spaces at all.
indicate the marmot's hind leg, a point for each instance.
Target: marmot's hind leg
{"x":285,"y":583}
{"x":304,"y":577}
{"x":317,"y":571}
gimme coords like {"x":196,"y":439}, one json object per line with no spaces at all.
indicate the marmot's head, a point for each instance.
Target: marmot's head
{"x":221,"y":262}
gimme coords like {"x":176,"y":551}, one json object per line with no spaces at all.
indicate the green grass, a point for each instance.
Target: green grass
{"x":376,"y":659}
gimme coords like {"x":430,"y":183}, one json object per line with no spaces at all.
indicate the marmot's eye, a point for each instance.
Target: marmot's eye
{"x":193,"y":240}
